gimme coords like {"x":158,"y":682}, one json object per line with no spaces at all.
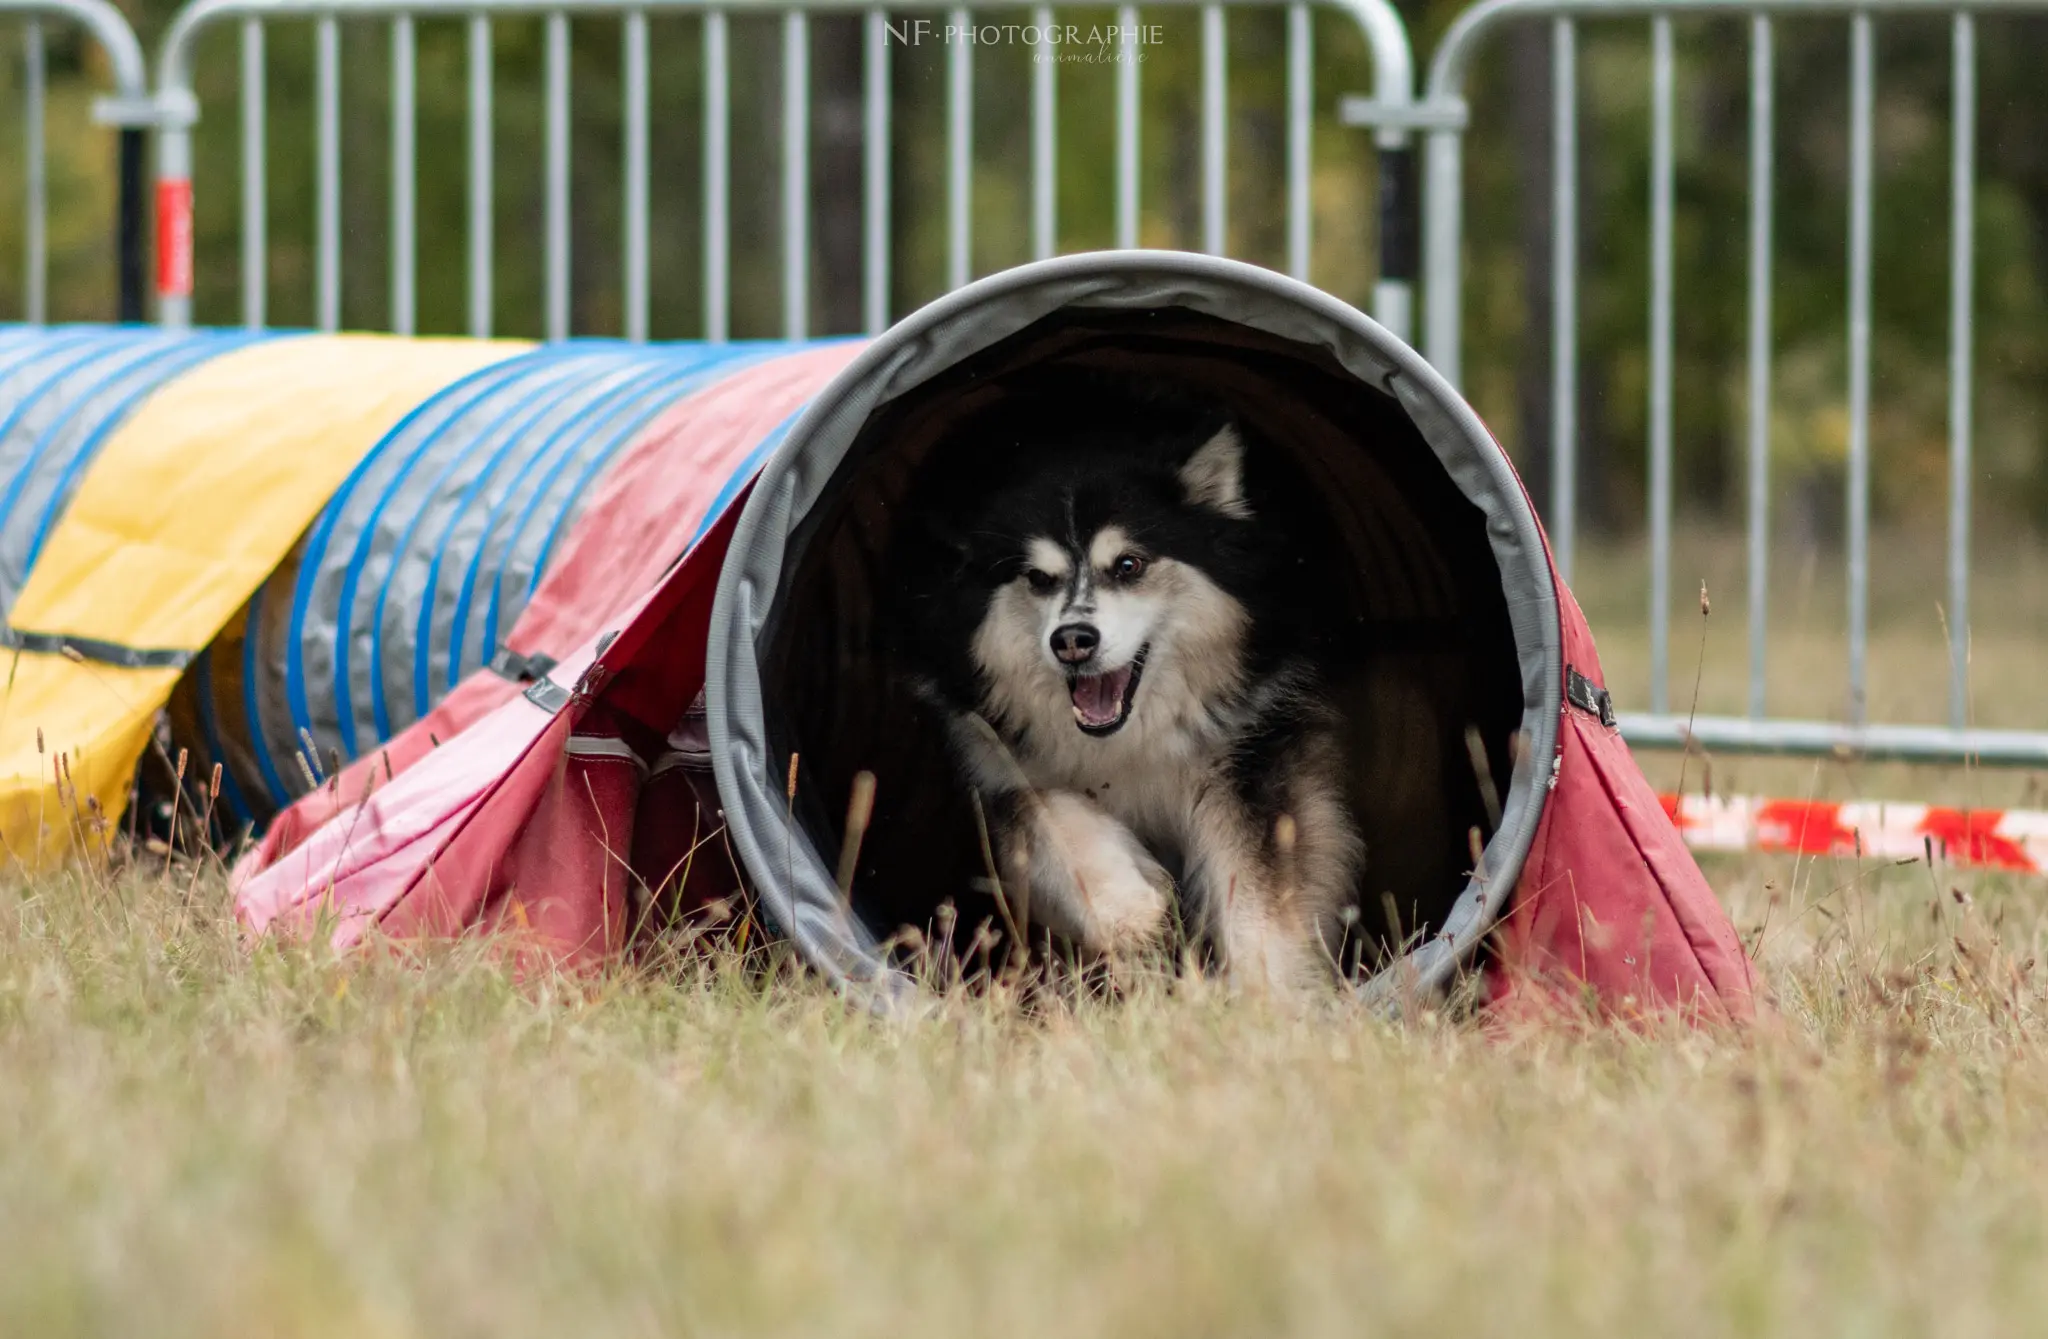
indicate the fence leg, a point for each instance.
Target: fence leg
{"x":128,"y":224}
{"x":1393,"y":297}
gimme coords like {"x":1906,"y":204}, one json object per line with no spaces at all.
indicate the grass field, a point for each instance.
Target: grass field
{"x":200,"y":1140}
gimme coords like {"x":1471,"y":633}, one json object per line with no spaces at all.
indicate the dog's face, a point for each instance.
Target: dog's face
{"x":1104,"y":606}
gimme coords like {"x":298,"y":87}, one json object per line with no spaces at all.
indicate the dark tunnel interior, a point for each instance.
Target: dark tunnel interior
{"x":1417,"y":649}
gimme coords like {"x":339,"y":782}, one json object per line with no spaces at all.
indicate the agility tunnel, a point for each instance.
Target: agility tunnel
{"x":564,"y":641}
{"x":712,"y":612}
{"x":155,"y":481}
{"x":273,"y":531}
{"x":417,"y":572}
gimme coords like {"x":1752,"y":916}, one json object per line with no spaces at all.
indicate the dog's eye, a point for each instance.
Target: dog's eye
{"x":1127,"y":567}
{"x":1041,"y":583}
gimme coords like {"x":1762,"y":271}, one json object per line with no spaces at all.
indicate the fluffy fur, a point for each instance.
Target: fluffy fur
{"x":1104,"y":625}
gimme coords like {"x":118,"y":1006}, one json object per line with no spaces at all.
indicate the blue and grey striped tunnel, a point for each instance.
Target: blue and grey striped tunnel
{"x":417,"y":569}
{"x":63,"y":391}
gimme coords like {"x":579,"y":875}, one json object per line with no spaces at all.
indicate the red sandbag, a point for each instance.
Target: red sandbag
{"x":1610,"y":902}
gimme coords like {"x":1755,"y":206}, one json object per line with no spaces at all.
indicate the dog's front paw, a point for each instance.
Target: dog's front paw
{"x":1128,"y":895}
{"x":1093,"y":882}
{"x":1272,"y":956}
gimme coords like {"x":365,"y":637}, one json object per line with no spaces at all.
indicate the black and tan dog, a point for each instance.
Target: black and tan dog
{"x":1113,"y":636}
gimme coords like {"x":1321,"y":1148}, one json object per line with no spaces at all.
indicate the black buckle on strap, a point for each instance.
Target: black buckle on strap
{"x":1588,"y":696}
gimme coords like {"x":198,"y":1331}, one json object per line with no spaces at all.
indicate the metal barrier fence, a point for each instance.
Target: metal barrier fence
{"x":1378,"y":22}
{"x":1442,"y":116}
{"x":1392,"y":111}
{"x":129,"y":108}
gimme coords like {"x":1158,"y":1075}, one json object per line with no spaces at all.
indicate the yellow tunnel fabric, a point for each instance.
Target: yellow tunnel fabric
{"x":197,"y":497}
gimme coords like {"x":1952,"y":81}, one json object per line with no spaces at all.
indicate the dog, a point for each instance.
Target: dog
{"x":1116,"y":648}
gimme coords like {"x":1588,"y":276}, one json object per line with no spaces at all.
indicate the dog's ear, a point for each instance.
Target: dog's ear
{"x":1213,"y":476}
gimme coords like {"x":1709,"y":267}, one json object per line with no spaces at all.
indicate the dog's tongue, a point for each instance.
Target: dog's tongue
{"x":1099,"y":698}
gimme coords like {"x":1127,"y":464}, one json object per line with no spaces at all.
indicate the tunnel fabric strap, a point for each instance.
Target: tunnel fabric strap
{"x":1588,"y":696}
{"x":509,"y":664}
{"x":548,"y":695}
{"x":688,"y":760}
{"x":93,"y":649}
{"x":604,"y":746}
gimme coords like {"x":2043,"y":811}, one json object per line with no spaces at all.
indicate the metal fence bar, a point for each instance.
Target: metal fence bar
{"x":796,"y":174}
{"x":1215,"y":132}
{"x":36,"y":288}
{"x":959,"y":148}
{"x":1394,"y":116}
{"x":480,"y":184}
{"x":556,"y":245}
{"x":1127,"y":127}
{"x":1045,"y":183}
{"x":1442,"y":117}
{"x":1862,"y":59}
{"x":1962,"y":274}
{"x":130,"y":222}
{"x":1564,"y":293}
{"x":174,"y":226}
{"x":875,"y":189}
{"x":327,"y":159}
{"x":1300,"y":129}
{"x":1827,"y":739}
{"x":176,"y":106}
{"x":1661,"y":78}
{"x":1443,"y":187}
{"x":404,"y":232}
{"x":717,"y":178}
{"x":131,"y":108}
{"x":255,"y":180}
{"x":633,"y":37}
{"x":1761,"y":115}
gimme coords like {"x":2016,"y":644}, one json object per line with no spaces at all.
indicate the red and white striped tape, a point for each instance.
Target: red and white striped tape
{"x":2004,"y":839}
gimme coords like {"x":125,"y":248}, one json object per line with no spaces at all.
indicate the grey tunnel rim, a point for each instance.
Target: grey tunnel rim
{"x":795,"y":885}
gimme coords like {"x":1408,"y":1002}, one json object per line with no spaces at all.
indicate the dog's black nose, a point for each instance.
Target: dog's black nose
{"x":1073,"y":643}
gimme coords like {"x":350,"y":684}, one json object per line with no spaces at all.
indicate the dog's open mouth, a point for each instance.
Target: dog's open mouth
{"x":1102,"y":702}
